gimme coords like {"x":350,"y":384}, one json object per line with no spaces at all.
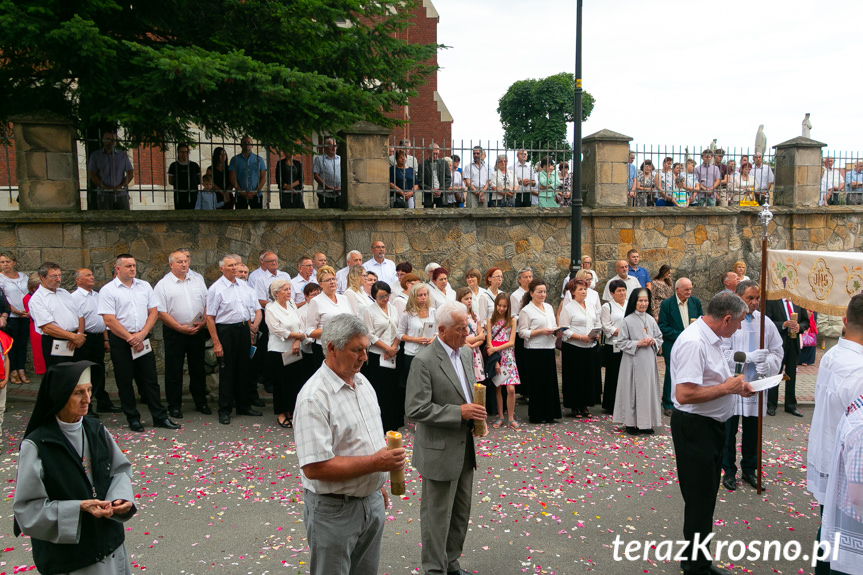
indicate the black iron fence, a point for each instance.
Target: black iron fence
{"x":214,"y":174}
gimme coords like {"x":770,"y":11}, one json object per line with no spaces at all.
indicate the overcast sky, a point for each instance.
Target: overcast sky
{"x":666,"y":72}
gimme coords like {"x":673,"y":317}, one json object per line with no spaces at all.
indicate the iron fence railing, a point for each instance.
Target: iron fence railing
{"x":449,"y":175}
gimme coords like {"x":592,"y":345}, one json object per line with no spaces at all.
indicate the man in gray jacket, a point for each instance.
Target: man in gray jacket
{"x":440,"y":401}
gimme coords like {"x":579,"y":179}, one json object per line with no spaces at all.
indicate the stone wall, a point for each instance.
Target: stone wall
{"x":701,"y":243}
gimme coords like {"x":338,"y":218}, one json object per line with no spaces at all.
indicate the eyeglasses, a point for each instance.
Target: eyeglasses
{"x":382,"y":296}
{"x":328,"y":280}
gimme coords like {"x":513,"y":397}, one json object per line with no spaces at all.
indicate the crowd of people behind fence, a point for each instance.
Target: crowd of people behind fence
{"x":433,"y":181}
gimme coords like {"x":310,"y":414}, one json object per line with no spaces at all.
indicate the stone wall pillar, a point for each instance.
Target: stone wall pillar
{"x":46,"y":164}
{"x":798,"y":172}
{"x":605,"y":168}
{"x":365,"y":167}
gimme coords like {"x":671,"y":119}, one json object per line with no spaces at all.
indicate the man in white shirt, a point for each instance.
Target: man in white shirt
{"x":383,"y":268}
{"x":760,"y":363}
{"x":832,"y":185}
{"x":96,"y":344}
{"x":343,"y":455}
{"x":764,"y":178}
{"x":354,"y":258}
{"x":704,"y":390}
{"x":622,"y":269}
{"x":56,"y":316}
{"x":319,"y":260}
{"x":233,"y":317}
{"x":837,"y":385}
{"x":181,"y":303}
{"x":252,"y":278}
{"x":305,"y":270}
{"x":129,"y":311}
{"x":525,"y":178}
{"x":476,"y":177}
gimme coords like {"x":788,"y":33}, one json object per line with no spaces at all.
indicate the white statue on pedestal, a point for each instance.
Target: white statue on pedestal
{"x":807,"y":126}
{"x":760,"y":141}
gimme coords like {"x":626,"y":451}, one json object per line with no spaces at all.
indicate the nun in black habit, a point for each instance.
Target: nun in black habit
{"x":74,"y":488}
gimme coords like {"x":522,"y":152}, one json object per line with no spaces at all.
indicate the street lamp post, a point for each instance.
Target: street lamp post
{"x":575,"y":241}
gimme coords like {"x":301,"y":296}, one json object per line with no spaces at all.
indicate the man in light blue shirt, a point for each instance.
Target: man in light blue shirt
{"x":636,"y":271}
{"x":632,"y":172}
{"x":248,"y":173}
{"x":327,"y":171}
{"x":854,"y":184}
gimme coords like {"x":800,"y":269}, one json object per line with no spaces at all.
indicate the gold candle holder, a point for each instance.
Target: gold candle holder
{"x":397,"y":478}
{"x":479,"y":425}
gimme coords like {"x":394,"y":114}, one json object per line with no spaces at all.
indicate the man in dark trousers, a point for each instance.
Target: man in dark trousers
{"x":675,"y":314}
{"x":779,"y":312}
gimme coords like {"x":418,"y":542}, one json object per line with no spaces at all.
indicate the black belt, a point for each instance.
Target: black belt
{"x":238,"y":324}
{"x":339,"y":497}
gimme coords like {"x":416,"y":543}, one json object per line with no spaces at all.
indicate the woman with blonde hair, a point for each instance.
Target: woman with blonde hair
{"x":416,"y":326}
{"x":355,"y":293}
{"x":325,"y":306}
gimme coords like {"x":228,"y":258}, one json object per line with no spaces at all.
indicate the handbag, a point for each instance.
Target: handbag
{"x":398,"y":201}
{"x":808,"y":339}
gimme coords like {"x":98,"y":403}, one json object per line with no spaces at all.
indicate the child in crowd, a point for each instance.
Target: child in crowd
{"x":207,"y":198}
{"x":5,"y":346}
{"x":501,"y":341}
{"x":681,"y":197}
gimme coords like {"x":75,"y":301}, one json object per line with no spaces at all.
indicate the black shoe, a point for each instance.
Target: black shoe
{"x":136,"y":426}
{"x":268,"y":387}
{"x":175,"y":413}
{"x":667,"y":412}
{"x":729,"y":482}
{"x":793,"y":411}
{"x":714,"y":570}
{"x":251,"y":412}
{"x":646,"y":431}
{"x":205,"y":409}
{"x":224,"y":419}
{"x":167,"y":424}
{"x":108,"y":408}
{"x":631,"y":430}
{"x":258,"y":402}
{"x":751,"y":480}
{"x":771,"y":411}
{"x":459,"y":572}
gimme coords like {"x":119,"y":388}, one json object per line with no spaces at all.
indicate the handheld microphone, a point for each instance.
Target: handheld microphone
{"x":739,"y":360}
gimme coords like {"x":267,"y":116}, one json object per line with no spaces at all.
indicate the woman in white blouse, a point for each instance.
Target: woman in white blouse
{"x":355,"y":293}
{"x":581,"y":372}
{"x":284,"y":357}
{"x":416,"y":326}
{"x":611,"y":318}
{"x":310,"y":292}
{"x":537,"y":326}
{"x":438,"y":287}
{"x":743,"y":185}
{"x":472,"y":278}
{"x":325,"y":306}
{"x":502,"y":182}
{"x":382,"y":320}
{"x":493,"y":281}
{"x":14,"y":285}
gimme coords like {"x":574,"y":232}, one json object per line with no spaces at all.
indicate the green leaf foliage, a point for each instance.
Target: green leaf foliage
{"x":276,"y":70}
{"x":534,"y":113}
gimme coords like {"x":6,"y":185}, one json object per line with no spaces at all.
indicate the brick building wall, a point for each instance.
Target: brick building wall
{"x":430,"y":121}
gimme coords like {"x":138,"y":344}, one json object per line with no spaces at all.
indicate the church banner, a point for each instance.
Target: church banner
{"x":819,"y":281}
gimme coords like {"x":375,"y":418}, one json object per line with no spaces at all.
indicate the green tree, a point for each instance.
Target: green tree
{"x":535,"y":112}
{"x":277,"y":70}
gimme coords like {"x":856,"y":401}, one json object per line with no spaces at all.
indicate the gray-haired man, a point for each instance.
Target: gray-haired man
{"x":343,"y":455}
